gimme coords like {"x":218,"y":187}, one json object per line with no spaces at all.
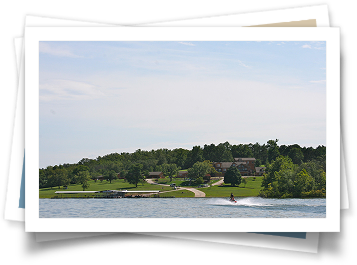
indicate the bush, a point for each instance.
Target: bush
{"x":314,"y":194}
{"x":287,"y":195}
{"x":199,"y":181}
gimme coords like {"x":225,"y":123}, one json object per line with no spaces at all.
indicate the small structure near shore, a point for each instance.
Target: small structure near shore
{"x":155,"y":175}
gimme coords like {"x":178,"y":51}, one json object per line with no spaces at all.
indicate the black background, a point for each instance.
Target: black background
{"x":138,"y":248}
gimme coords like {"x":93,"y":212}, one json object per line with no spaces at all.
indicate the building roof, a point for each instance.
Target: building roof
{"x":245,"y":158}
{"x":226,"y":164}
{"x":229,"y":164}
{"x":155,"y":173}
{"x":240,"y":163}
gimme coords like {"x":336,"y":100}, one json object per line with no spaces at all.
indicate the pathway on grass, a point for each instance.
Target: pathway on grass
{"x":197,"y":192}
{"x":218,"y":182}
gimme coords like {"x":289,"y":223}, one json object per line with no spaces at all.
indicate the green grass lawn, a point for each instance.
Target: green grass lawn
{"x":105,"y":185}
{"x":251,"y":189}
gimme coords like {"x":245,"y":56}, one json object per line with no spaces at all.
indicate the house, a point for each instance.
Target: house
{"x":249,"y":163}
{"x":222,"y":166}
{"x":182,"y":174}
{"x":120,"y":177}
{"x":101,"y":178}
{"x":259,"y":171}
{"x":155,"y":175}
{"x":246,"y":166}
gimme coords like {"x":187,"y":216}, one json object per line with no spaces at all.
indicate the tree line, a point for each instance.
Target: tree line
{"x":285,"y":179}
{"x":170,"y":161}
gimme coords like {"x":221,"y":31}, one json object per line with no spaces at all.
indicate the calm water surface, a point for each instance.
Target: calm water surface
{"x":251,"y":207}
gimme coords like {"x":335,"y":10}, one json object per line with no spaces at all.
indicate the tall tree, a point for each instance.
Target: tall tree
{"x":75,"y":172}
{"x":282,"y":162}
{"x":232,"y":176}
{"x":198,"y":170}
{"x":180,"y":156}
{"x":223,"y":152}
{"x":170,"y":170}
{"x":273,"y":150}
{"x":83,"y":178}
{"x":110,"y":175}
{"x":302,"y":182}
{"x":296,"y":155}
{"x":60,"y":177}
{"x":242,"y":150}
{"x":195,"y":155}
{"x":134,"y":175}
{"x":209,"y":152}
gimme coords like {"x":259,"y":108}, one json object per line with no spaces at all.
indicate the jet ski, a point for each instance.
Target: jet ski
{"x":232,"y":200}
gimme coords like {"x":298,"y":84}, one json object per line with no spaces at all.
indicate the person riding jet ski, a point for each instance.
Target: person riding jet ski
{"x":232,"y":198}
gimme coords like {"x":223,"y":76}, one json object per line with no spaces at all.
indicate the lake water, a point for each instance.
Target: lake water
{"x":251,"y":207}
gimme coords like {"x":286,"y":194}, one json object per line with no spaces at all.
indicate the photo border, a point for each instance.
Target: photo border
{"x":329,"y":224}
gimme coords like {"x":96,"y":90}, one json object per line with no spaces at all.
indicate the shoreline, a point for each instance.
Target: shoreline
{"x":113,"y":190}
{"x":172,"y":197}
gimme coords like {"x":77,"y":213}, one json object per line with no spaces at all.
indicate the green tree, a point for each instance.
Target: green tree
{"x":232,"y":176}
{"x":242,"y":150}
{"x":296,"y":155}
{"x":180,"y":156}
{"x":198,"y":170}
{"x":83,"y":178}
{"x":134,"y":175}
{"x":146,"y":173}
{"x":288,"y":181}
{"x":59,"y":177}
{"x":223,"y":152}
{"x":43,"y":179}
{"x":321,"y":185}
{"x":170,"y":170}
{"x":273,"y":150}
{"x":281,"y":162}
{"x":302,"y":182}
{"x":110,"y":175}
{"x":244,"y":181}
{"x":195,"y":155}
{"x":75,"y":172}
{"x":209,"y":152}
{"x":211,"y":171}
{"x":199,"y":181}
{"x":284,"y":184}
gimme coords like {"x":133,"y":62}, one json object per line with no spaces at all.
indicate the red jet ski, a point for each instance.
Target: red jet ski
{"x":232,"y":200}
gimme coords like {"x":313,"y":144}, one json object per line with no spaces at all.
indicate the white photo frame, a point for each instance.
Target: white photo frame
{"x":330,"y":35}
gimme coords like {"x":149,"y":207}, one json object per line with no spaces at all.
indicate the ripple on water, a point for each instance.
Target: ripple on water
{"x":252,"y":207}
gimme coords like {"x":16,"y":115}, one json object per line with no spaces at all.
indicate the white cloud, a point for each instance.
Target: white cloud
{"x":318,"y":82}
{"x":316,"y":47}
{"x":244,"y":65}
{"x":47,"y":48}
{"x":59,"y":89}
{"x":187,"y":43}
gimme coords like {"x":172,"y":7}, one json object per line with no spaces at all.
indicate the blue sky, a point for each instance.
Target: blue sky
{"x":98,"y":98}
